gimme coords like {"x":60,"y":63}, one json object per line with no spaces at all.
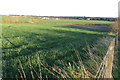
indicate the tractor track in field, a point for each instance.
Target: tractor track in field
{"x":88,"y":26}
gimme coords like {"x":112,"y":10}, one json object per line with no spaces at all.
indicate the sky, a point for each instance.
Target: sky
{"x":91,"y":8}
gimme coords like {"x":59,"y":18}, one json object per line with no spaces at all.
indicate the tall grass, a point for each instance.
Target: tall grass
{"x":116,"y":66}
{"x":115,"y":27}
{"x":71,"y":70}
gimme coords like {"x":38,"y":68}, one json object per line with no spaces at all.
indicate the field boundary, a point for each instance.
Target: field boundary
{"x":105,"y":69}
{"x":9,"y":21}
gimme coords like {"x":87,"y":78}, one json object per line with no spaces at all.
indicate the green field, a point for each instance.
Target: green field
{"x":57,"y":21}
{"x":41,"y":44}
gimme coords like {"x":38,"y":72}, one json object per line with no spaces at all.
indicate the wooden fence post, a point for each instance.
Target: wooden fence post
{"x":109,"y":60}
{"x":105,"y":69}
{"x":119,"y":21}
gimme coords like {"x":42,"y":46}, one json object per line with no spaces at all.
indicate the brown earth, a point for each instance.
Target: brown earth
{"x":88,"y":26}
{"x":95,"y":27}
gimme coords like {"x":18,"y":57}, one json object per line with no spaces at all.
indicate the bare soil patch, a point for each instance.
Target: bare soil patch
{"x":95,"y":27}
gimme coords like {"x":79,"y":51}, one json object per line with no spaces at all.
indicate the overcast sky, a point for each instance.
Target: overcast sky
{"x":92,"y":8}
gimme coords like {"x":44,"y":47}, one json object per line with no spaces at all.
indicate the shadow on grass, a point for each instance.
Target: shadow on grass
{"x":60,"y":40}
{"x":55,"y":45}
{"x":88,"y":29}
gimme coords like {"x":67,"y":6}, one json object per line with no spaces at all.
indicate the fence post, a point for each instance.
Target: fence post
{"x":119,"y":20}
{"x":105,"y":69}
{"x":109,"y":60}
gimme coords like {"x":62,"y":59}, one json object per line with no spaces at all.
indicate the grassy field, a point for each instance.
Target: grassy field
{"x":27,"y":19}
{"x":41,"y":44}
